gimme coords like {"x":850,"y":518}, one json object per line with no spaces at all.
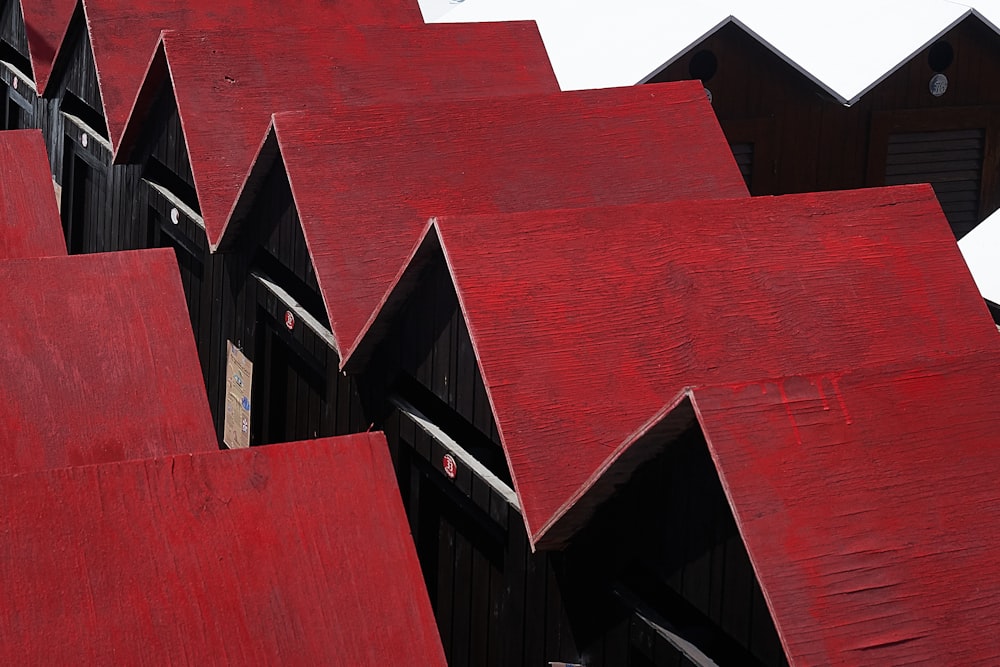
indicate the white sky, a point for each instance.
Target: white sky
{"x":846,"y":46}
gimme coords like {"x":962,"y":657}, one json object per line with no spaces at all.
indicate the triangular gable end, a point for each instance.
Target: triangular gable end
{"x":416,"y":357}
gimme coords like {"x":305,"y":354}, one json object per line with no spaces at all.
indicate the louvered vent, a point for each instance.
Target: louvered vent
{"x":743,"y":152}
{"x":951,"y":161}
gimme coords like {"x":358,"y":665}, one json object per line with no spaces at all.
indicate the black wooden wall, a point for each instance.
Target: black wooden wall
{"x":298,"y":391}
{"x":669,"y":540}
{"x":791,"y":136}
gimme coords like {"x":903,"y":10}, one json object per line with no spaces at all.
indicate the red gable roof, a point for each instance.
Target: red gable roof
{"x":124,"y":33}
{"x":46,"y":23}
{"x":366,"y":180}
{"x":587,"y":324}
{"x":29,"y":217}
{"x":99,"y":362}
{"x":298,"y":554}
{"x":226,"y":93}
{"x":868,"y":503}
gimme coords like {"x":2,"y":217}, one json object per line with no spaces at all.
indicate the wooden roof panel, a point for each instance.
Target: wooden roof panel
{"x":29,"y":218}
{"x":124,"y":34}
{"x":99,"y":362}
{"x":588,"y":323}
{"x":46,"y":23}
{"x":868,"y":503}
{"x":365,"y":181}
{"x":298,"y":553}
{"x":226,"y":93}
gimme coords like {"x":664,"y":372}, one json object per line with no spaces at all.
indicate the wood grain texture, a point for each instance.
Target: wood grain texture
{"x":226,"y":92}
{"x":868,"y":503}
{"x":124,"y":33}
{"x":99,"y":362}
{"x":588,"y":323}
{"x":29,"y":217}
{"x":45,"y":23}
{"x":298,"y":554}
{"x":365,"y":181}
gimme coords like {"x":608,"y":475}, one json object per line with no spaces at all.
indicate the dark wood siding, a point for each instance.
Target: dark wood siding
{"x":13,"y":38}
{"x":950,"y":160}
{"x":811,"y":142}
{"x":298,"y":390}
{"x":743,"y":152}
{"x":669,"y":537}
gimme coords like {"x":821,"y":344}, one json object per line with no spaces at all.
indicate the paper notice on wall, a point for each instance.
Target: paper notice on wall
{"x":239,"y":373}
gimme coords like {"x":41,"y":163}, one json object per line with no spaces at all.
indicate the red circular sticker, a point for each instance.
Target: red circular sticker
{"x":450,"y":467}
{"x":289,"y":320}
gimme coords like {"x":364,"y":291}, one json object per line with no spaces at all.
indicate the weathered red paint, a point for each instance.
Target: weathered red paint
{"x":29,"y":217}
{"x":124,"y":33}
{"x":98,"y":360}
{"x":365,"y":181}
{"x":869,"y":506}
{"x":226,"y":91}
{"x":588,"y":323}
{"x":46,"y":23}
{"x":298,"y":554}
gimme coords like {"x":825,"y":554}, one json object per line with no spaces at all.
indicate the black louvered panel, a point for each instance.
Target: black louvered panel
{"x":951,"y":161}
{"x":743,"y":152}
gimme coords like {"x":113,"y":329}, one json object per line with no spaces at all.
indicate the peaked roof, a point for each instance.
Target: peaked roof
{"x":124,"y":33}
{"x":226,"y":93}
{"x":99,"y":362}
{"x":29,"y":218}
{"x":297,"y":553}
{"x":981,"y":250}
{"x":846,"y":47}
{"x":365,"y":181}
{"x":868,"y":503}
{"x":587,"y":324}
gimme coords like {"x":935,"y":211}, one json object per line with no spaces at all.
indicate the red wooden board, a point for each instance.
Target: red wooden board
{"x":226,"y":93}
{"x":366,"y":180}
{"x":869,"y":505}
{"x":292,"y":554}
{"x":29,"y":218}
{"x":98,"y":360}
{"x":587,"y":323}
{"x":124,"y":34}
{"x":45,"y":22}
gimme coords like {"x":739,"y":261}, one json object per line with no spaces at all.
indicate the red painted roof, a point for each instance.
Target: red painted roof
{"x":294,"y":554}
{"x":587,"y":323}
{"x":99,"y":362}
{"x":29,"y":217}
{"x":226,"y":93}
{"x":868,"y":502}
{"x":124,"y":33}
{"x":46,"y":23}
{"x":365,"y":181}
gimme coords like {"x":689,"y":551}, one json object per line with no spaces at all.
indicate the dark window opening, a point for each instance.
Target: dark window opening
{"x":474,"y":441}
{"x":289,"y":388}
{"x":159,"y":173}
{"x":74,"y":106}
{"x":940,"y":56}
{"x":83,"y":203}
{"x":280,"y":274}
{"x":11,"y":55}
{"x":703,"y":66}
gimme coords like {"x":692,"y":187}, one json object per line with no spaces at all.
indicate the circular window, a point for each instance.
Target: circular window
{"x":703,"y":66}
{"x":940,"y":56}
